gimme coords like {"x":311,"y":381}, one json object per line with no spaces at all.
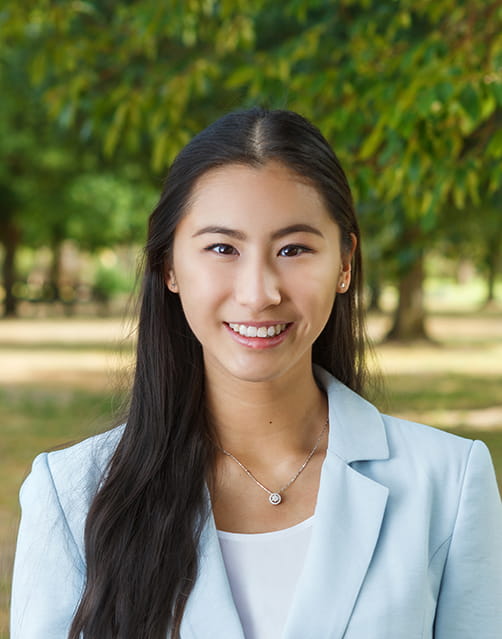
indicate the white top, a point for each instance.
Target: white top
{"x":263,"y":570}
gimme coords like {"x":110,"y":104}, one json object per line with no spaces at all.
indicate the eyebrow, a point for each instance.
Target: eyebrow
{"x":239,"y":235}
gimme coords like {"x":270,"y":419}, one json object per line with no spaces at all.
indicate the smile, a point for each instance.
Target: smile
{"x":258,"y":331}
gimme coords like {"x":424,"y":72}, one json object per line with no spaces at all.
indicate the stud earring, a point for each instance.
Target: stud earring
{"x":342,"y":285}
{"x":173,"y":285}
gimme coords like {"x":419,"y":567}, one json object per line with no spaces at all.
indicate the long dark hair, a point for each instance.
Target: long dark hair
{"x":144,"y":525}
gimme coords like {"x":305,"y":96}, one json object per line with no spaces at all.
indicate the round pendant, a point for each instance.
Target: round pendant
{"x":274,"y":499}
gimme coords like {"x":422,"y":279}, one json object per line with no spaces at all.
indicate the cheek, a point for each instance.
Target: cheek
{"x":197,"y":314}
{"x":202,"y":293}
{"x":323,"y":280}
{"x":316,"y":296}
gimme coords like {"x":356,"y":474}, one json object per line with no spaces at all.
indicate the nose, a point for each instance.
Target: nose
{"x":257,"y":285}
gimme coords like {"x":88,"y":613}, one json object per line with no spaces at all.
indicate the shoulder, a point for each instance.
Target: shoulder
{"x":82,"y":464}
{"x":420,"y":441}
{"x":67,"y":480}
{"x":86,"y":460}
{"x":438,"y":480}
{"x":438,"y":476}
{"x":431,"y":457}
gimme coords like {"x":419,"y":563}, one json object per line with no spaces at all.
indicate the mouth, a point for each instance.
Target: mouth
{"x":263,"y":331}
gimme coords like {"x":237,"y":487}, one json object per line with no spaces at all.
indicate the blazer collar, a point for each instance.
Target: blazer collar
{"x":348,"y":517}
{"x":357,"y":431}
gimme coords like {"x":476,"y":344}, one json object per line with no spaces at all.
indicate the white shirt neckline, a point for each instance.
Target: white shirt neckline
{"x":248,"y":537}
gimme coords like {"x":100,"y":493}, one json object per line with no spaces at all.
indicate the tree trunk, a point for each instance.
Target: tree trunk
{"x":493,"y":265}
{"x":55,"y":269}
{"x":492,"y":271}
{"x":375,"y":291}
{"x":409,"y":317}
{"x":10,"y":240}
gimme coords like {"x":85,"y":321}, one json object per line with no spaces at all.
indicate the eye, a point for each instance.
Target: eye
{"x":221,"y":249}
{"x":293,"y":250}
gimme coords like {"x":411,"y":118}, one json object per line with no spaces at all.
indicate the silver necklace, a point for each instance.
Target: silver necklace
{"x":275,"y":497}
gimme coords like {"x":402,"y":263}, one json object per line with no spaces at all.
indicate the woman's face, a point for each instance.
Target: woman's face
{"x":257,"y":263}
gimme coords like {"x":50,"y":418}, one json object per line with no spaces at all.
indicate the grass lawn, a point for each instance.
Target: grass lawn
{"x":57,"y":386}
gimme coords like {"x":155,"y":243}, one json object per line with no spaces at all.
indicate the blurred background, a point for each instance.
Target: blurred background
{"x":98,"y":96}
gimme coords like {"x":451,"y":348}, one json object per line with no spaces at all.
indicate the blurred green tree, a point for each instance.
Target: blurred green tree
{"x":476,"y":235}
{"x":408,"y":92}
{"x":53,"y":188}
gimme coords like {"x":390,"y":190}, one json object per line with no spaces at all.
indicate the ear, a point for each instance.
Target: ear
{"x":170,"y":280}
{"x":346,"y":268}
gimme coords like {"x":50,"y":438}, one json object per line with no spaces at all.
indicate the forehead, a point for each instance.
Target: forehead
{"x":269,"y":195}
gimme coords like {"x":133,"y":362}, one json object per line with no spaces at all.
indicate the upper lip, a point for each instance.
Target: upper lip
{"x":258,"y":324}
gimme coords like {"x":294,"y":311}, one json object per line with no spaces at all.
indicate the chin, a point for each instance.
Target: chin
{"x":258,"y":366}
{"x":257,"y":372}
{"x":256,"y":378}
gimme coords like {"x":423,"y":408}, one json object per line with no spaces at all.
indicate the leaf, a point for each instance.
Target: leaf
{"x":372,"y":142}
{"x":497,"y":90}
{"x":241,"y":76}
{"x":473,"y":187}
{"x":113,"y":133}
{"x":459,"y":196}
{"x":424,"y":101}
{"x":470,"y":100}
{"x":159,"y":152}
{"x":494,"y":148}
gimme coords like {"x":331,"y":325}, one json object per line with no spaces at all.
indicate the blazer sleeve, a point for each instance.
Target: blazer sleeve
{"x":470,"y":598}
{"x":48,"y":568}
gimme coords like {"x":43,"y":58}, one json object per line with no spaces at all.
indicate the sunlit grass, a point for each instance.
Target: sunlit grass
{"x":437,"y":391}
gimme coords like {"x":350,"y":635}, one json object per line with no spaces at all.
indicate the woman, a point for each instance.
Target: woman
{"x":253,"y":492}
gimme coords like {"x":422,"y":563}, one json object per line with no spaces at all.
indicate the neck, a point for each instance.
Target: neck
{"x":264,"y":420}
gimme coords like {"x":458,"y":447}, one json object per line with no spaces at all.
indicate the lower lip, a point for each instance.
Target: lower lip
{"x":259,"y":343}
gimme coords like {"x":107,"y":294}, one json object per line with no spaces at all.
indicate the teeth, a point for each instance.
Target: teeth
{"x":262,"y":331}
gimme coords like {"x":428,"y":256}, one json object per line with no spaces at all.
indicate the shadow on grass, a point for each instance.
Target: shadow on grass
{"x":444,"y":391}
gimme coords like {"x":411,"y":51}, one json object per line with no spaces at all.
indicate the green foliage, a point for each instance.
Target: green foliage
{"x":108,"y":282}
{"x":107,"y":209}
{"x":54,"y":187}
{"x":408,"y":92}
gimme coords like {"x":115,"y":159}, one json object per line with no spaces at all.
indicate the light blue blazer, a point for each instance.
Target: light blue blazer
{"x":406,"y":541}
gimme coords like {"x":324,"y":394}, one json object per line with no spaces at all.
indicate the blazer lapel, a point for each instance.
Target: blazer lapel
{"x":210,"y":611}
{"x":349,"y":513}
